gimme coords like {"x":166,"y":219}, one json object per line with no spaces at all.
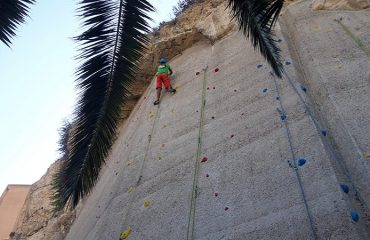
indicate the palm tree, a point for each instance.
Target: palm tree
{"x":110,"y":48}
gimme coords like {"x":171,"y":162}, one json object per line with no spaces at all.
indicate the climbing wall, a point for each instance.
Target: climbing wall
{"x":234,"y":154}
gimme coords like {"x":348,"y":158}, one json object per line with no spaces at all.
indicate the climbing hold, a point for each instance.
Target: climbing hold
{"x":207,"y":88}
{"x":355,"y":217}
{"x":159,"y":158}
{"x":288,"y":63}
{"x":147,"y":203}
{"x":315,"y":26}
{"x":207,"y":175}
{"x":129,"y":162}
{"x":324,"y":132}
{"x":301,"y":162}
{"x":366,"y":155}
{"x":216,"y":194}
{"x":226,"y":208}
{"x":278,"y":98}
{"x":130,"y":189}
{"x":144,"y":97}
{"x":303,"y":88}
{"x":197,"y":73}
{"x":264,"y":90}
{"x":235,"y":90}
{"x":217,"y":69}
{"x":339,"y":66}
{"x":283,"y":117}
{"x":242,"y":114}
{"x":232,"y":135}
{"x":328,"y":29}
{"x":214,"y":88}
{"x":344,"y":188}
{"x":279,"y":40}
{"x":125,"y":234}
{"x":213,"y":117}
{"x":259,"y":65}
{"x":164,"y":126}
{"x":204,"y":159}
{"x":163,"y":145}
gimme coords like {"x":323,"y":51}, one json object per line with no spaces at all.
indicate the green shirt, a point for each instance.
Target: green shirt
{"x":166,"y":69}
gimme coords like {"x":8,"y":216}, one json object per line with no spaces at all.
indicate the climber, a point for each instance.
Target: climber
{"x":163,"y":71}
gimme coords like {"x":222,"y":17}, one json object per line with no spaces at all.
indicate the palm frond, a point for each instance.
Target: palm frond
{"x":12,"y":14}
{"x":256,"y":19}
{"x":110,"y":47}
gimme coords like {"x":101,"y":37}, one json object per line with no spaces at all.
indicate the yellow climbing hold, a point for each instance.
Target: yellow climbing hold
{"x":147,"y":203}
{"x":339,"y":66}
{"x":176,"y":87}
{"x":328,"y":29}
{"x":366,"y":154}
{"x":159,"y":158}
{"x":125,"y":234}
{"x":130,"y":189}
{"x":129,"y":162}
{"x":315,"y":26}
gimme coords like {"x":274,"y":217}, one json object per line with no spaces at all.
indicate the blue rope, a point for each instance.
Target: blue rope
{"x":293,"y":157}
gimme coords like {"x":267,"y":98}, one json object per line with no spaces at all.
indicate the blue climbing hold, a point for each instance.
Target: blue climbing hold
{"x":278,"y":98}
{"x":279,"y":40}
{"x":283,"y":117}
{"x":344,"y":188}
{"x":301,"y":162}
{"x":265,"y":90}
{"x":303,"y":88}
{"x":259,"y":65}
{"x":287,"y":63}
{"x":355,"y":217}
{"x":324,"y":132}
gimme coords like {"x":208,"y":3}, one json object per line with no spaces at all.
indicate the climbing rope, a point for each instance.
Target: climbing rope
{"x":327,"y":146}
{"x":150,"y":137}
{"x":191,"y":219}
{"x":357,"y":40}
{"x":293,"y":163}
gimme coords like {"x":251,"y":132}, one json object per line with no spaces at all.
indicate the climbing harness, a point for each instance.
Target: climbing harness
{"x":191,"y":220}
{"x":293,"y":162}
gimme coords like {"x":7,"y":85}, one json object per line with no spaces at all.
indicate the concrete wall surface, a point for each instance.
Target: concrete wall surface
{"x":11,"y":203}
{"x":249,"y":186}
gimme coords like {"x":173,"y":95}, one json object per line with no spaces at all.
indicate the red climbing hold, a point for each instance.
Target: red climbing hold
{"x":207,"y":175}
{"x":216,"y":194}
{"x":205,"y":159}
{"x":217,"y":69}
{"x":197,"y":73}
{"x":226,"y":208}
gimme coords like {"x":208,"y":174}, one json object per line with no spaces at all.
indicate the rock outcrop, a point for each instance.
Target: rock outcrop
{"x":37,"y":220}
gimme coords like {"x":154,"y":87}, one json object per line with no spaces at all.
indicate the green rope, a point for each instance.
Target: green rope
{"x":356,"y":39}
{"x":191,"y":220}
{"x":150,"y":137}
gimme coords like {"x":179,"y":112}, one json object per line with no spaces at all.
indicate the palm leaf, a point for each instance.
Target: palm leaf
{"x":256,"y":19}
{"x":12,"y":14}
{"x":110,"y":47}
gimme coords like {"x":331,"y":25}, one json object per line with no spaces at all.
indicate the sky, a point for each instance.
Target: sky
{"x":37,"y":90}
